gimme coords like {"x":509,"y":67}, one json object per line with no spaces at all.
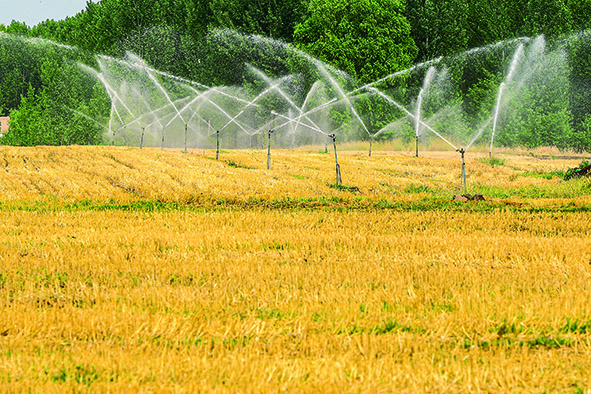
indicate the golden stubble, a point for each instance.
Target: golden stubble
{"x":259,"y":300}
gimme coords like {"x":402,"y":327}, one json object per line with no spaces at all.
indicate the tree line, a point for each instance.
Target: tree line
{"x":368,"y":39}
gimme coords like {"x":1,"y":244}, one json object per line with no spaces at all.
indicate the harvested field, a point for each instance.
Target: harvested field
{"x":160,"y":271}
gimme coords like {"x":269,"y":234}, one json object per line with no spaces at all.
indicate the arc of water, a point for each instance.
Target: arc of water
{"x":170,"y":76}
{"x":111,"y":121}
{"x":496,"y":117}
{"x":147,"y":105}
{"x":297,"y":121}
{"x":152,"y":113}
{"x":283,"y":94}
{"x":161,"y":88}
{"x":393,"y":75}
{"x":199,"y":95}
{"x":86,"y":116}
{"x":113,"y":93}
{"x":512,"y":67}
{"x":341,"y":92}
{"x":393,"y":102}
{"x":225,"y":113}
{"x":384,"y":129}
{"x":196,"y":112}
{"x":310,"y":92}
{"x":418,"y":119}
{"x":262,"y":94}
{"x":290,"y":120}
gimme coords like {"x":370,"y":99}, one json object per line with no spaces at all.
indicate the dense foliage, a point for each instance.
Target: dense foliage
{"x":368,"y":39}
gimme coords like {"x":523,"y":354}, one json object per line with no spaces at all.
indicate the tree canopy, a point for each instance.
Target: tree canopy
{"x":366,"y":38}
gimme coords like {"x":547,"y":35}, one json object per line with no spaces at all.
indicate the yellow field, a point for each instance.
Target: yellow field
{"x":123,"y":269}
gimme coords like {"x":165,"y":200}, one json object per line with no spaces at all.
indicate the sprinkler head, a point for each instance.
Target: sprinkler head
{"x":461,"y":150}
{"x":333,"y":136}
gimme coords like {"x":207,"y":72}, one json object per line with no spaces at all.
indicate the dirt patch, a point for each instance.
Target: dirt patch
{"x":578,"y":172}
{"x":468,"y":197}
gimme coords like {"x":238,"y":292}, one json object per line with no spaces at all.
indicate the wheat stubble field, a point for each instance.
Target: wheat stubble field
{"x":126,"y":269}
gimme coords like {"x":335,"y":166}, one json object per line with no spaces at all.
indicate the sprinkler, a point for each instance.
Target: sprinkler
{"x":217,"y":151}
{"x":142,"y":138}
{"x":271,"y":131}
{"x":338,"y":167}
{"x":370,"y":145}
{"x":463,"y":152}
{"x":417,"y":145}
{"x":162,"y":143}
{"x":186,"y":137}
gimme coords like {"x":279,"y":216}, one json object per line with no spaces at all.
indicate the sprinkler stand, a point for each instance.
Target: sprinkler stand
{"x":217,"y":151}
{"x":162,"y":142}
{"x":417,"y":145}
{"x":269,"y":149}
{"x":336,"y":158}
{"x":463,"y":152}
{"x":370,"y":145}
{"x":186,"y":137}
{"x":142,"y":138}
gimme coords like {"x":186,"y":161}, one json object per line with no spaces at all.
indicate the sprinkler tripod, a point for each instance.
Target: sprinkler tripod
{"x":217,"y":150}
{"x":463,"y":152}
{"x":338,"y":167}
{"x":271,"y":131}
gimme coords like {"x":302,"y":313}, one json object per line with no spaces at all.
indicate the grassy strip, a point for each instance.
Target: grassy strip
{"x":323,"y":203}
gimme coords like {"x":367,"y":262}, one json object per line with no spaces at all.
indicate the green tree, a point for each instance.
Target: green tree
{"x":366,"y":38}
{"x":548,"y":17}
{"x":438,"y":27}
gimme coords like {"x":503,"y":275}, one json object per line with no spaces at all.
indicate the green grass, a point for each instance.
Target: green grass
{"x":415,"y":189}
{"x":233,"y":164}
{"x":571,"y":189}
{"x":493,"y":161}
{"x":344,"y":188}
{"x":298,"y":176}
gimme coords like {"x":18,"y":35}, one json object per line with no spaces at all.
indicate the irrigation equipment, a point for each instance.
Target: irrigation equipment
{"x":336,"y":158}
{"x":271,"y":131}
{"x":463,"y":152}
{"x":217,"y":145}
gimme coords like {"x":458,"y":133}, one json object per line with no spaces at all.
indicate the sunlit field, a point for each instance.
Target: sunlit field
{"x":123,"y":269}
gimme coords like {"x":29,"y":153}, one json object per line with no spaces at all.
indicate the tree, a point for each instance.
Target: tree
{"x":368,"y":39}
{"x":548,"y":17}
{"x":438,"y":27}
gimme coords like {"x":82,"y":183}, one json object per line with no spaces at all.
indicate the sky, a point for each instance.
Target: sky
{"x":32,"y":12}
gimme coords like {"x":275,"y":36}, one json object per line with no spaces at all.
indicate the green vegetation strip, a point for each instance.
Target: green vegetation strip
{"x":322,"y":203}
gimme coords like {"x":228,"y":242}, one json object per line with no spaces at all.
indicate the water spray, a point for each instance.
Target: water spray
{"x":336,"y":158}
{"x":418,"y":120}
{"x":496,"y":117}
